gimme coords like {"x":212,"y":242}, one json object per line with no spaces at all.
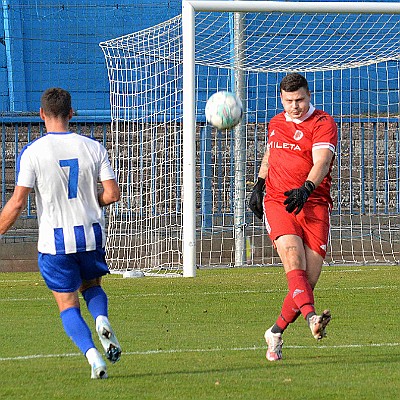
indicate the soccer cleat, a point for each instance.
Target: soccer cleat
{"x":112,"y":348}
{"x":318,"y":324}
{"x":99,"y":368}
{"x":275,"y":343}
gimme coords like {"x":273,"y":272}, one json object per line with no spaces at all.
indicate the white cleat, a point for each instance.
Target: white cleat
{"x":275,"y":343}
{"x":99,"y":368}
{"x":112,"y":348}
{"x":318,"y":324}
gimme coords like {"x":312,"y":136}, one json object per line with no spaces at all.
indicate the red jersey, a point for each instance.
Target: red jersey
{"x":290,"y":145}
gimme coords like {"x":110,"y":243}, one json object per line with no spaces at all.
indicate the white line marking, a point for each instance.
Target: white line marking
{"x":27,"y":299}
{"x":175,"y":351}
{"x":363,"y":288}
{"x":276,"y":270}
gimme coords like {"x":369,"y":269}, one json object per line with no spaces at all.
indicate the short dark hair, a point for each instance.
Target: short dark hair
{"x":292,"y":82}
{"x":56,"y":102}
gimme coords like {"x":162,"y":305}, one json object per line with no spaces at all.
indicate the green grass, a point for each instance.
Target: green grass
{"x":202,"y":338}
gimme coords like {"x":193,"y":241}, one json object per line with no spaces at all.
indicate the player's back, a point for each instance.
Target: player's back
{"x":66,"y":168}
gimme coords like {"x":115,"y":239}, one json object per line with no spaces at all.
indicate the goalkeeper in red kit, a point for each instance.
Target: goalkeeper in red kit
{"x":292,"y":194}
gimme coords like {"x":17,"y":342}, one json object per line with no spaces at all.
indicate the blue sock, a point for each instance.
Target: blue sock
{"x":76,"y":328}
{"x":96,"y":301}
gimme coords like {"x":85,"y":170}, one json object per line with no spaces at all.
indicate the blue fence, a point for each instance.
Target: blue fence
{"x":16,"y":132}
{"x":366,"y":176}
{"x":57,"y":44}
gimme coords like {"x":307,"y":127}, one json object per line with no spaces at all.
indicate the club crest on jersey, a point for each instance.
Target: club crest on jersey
{"x":298,"y":135}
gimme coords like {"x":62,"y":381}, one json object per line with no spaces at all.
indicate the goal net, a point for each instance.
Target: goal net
{"x":185,"y":185}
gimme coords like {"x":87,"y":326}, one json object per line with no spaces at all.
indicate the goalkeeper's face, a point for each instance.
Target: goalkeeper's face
{"x":296,"y":103}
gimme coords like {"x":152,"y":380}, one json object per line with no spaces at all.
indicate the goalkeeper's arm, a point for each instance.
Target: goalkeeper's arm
{"x":297,"y":197}
{"x":257,"y":196}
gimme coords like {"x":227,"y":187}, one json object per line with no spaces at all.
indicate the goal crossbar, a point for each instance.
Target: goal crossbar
{"x":293,"y":7}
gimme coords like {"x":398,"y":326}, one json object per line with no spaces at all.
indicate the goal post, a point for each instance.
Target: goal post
{"x":185,"y":185}
{"x":189,"y":149}
{"x":188,"y":30}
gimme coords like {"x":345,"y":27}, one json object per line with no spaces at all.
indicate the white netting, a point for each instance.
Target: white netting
{"x":352,"y":64}
{"x":302,"y":42}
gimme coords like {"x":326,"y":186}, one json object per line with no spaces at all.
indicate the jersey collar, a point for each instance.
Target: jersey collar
{"x":303,"y":118}
{"x":59,"y":133}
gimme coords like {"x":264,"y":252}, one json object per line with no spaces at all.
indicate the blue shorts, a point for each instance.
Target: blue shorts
{"x":65,"y":272}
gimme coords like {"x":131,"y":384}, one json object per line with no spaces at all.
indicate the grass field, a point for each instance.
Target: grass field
{"x":202,"y":338}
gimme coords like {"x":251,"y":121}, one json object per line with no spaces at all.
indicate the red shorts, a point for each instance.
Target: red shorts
{"x":311,"y":224}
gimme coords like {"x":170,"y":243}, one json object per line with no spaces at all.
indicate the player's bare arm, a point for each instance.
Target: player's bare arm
{"x":13,"y":208}
{"x":296,"y":198}
{"x":263,"y":172}
{"x":322,"y":159}
{"x":109,"y":193}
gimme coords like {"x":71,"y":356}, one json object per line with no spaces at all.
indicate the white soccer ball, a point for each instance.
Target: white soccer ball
{"x":224,"y":110}
{"x":134,"y":273}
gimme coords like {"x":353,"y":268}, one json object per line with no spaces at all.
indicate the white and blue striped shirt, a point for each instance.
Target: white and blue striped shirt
{"x":64,"y":169}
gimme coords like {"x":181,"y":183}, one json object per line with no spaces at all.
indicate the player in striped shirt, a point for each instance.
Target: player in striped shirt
{"x":64,"y":170}
{"x":295,"y":174}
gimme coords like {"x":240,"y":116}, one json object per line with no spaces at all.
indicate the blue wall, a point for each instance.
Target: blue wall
{"x":50,"y":43}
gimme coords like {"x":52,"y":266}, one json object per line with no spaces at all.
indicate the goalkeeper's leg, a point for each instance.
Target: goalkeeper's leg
{"x":288,"y":315}
{"x":273,"y":336}
{"x":301,"y":283}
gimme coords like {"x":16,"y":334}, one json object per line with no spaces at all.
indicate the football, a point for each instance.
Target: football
{"x":224,"y":110}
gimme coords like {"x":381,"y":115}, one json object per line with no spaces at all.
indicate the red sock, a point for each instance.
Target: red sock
{"x":300,"y":290}
{"x":289,"y":313}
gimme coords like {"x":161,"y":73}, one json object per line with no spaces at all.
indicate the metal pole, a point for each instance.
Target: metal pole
{"x":240,"y":144}
{"x":189,"y":143}
{"x":296,"y":6}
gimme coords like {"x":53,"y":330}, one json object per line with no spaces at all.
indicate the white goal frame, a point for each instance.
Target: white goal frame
{"x":185,"y":185}
{"x":189,"y":8}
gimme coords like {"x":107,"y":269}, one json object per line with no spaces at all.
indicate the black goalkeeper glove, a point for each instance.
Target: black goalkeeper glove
{"x":257,"y":198}
{"x":297,"y":197}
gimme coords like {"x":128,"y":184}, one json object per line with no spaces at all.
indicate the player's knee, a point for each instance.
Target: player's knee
{"x":86,"y":284}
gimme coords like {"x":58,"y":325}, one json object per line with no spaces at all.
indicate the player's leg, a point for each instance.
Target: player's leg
{"x":317,"y":323}
{"x":295,"y":256}
{"x":95,"y":297}
{"x":273,"y":336}
{"x":97,"y":303}
{"x":292,"y":253}
{"x":290,"y":312}
{"x":285,"y":233}
{"x":61,"y":275}
{"x":77,"y":330}
{"x":315,"y":222}
{"x":93,"y":267}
